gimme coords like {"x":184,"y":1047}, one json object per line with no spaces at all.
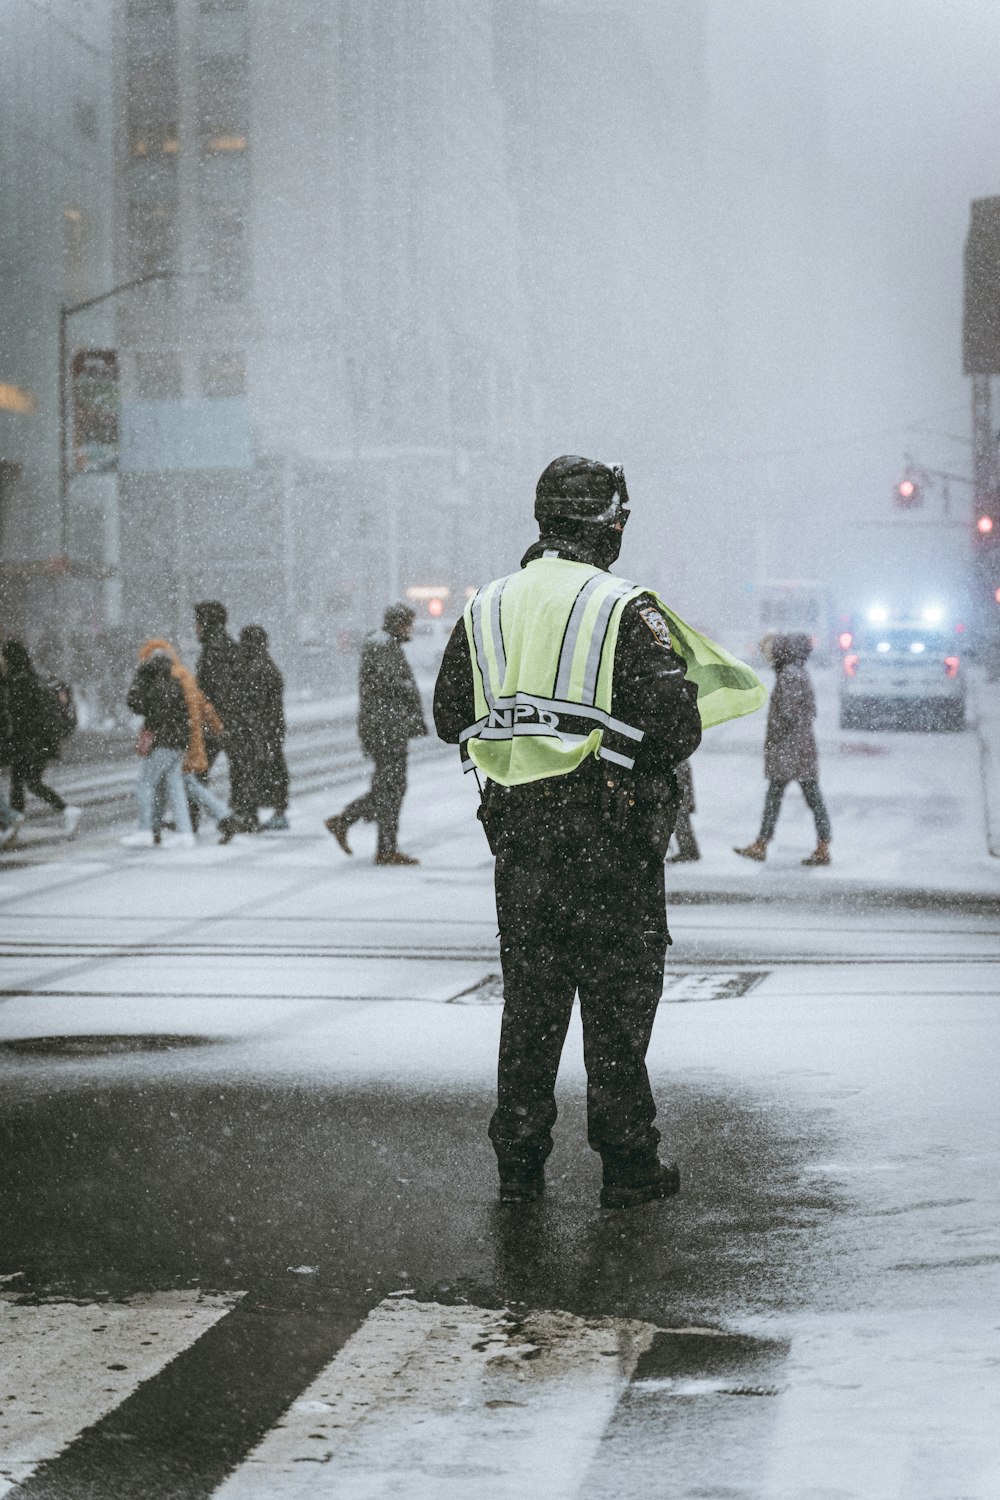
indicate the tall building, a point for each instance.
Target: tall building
{"x":57,"y":542}
{"x":320,"y":400}
{"x":605,"y":114}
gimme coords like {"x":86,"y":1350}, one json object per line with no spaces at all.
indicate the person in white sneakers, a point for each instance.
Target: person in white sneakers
{"x":162,"y":742}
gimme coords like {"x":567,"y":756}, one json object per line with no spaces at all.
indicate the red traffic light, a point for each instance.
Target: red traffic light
{"x":984,"y":525}
{"x":907,"y":494}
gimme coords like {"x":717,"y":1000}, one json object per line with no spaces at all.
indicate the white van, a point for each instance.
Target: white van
{"x":906,"y":674}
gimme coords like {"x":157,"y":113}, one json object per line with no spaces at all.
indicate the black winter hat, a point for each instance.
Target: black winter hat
{"x":211,"y":616}
{"x":577,"y":489}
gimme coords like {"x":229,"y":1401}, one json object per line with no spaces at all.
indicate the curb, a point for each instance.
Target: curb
{"x":988,"y":734}
{"x":857,"y":898}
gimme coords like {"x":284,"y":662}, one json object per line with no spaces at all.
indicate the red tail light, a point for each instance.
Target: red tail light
{"x":951,"y":666}
{"x":851,"y":664}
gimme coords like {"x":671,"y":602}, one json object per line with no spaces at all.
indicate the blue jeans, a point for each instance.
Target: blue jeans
{"x":162,"y":767}
{"x":196,"y":791}
{"x":814,"y":801}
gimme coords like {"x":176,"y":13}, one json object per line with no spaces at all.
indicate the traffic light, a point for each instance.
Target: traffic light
{"x":985,"y":526}
{"x":908,"y":495}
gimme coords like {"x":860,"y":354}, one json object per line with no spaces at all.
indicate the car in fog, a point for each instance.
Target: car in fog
{"x":902,"y":674}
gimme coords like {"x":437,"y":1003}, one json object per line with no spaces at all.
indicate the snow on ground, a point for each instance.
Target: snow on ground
{"x":872,"y":1019}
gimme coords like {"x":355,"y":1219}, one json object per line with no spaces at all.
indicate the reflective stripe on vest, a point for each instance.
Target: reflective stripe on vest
{"x":543,"y":679}
{"x":555,"y":705}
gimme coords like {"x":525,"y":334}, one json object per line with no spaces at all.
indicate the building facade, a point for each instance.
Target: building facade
{"x":320,"y":399}
{"x":58,"y":542}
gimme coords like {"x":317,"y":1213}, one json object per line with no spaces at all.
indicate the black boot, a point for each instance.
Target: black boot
{"x":521,"y":1184}
{"x":627,"y":1184}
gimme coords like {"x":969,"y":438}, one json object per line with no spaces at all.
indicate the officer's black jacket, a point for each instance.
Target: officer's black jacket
{"x":650,"y":691}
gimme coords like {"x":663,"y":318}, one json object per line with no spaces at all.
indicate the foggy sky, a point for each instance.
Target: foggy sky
{"x":833,"y":147}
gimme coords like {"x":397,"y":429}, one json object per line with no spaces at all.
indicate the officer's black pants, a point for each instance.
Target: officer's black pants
{"x":594,"y":923}
{"x":382,"y":803}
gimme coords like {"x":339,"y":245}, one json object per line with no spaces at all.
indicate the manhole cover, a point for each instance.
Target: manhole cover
{"x":97,"y":1046}
{"x":678,"y":989}
{"x":486,"y":991}
{"x":717,"y":984}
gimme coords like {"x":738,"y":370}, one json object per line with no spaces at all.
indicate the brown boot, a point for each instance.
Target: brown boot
{"x":338,"y":826}
{"x":820,"y":855}
{"x":396,"y":858}
{"x":757,"y":850}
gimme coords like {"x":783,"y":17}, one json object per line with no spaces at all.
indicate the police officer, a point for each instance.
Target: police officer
{"x":561,"y":685}
{"x":390,"y":714}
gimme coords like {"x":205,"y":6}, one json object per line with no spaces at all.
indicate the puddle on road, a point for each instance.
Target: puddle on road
{"x":98,"y":1046}
{"x":711,"y":1363}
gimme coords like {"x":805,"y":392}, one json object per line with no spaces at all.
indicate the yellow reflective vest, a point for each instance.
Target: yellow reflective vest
{"x":542,"y":646}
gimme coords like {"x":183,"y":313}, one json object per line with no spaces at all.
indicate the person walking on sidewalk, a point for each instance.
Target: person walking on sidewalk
{"x":389,"y":716}
{"x":262,"y":713}
{"x":202,"y":722}
{"x":687,"y":844}
{"x":33,"y":741}
{"x":10,"y":821}
{"x":790,"y":752}
{"x":219,"y":668}
{"x":158,"y":696}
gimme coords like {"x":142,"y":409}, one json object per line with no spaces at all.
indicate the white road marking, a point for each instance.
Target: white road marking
{"x":63,"y":1366}
{"x":440,"y":1403}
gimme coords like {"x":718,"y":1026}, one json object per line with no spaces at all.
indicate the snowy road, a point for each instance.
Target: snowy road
{"x":249,"y":1221}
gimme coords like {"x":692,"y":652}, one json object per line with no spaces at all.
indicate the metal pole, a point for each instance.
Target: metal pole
{"x":982,"y":440}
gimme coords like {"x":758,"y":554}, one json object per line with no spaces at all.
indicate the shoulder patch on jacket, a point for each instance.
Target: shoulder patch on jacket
{"x":657,"y":624}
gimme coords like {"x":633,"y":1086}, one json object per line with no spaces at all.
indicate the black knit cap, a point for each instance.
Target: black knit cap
{"x":398,"y":616}
{"x":577,"y":489}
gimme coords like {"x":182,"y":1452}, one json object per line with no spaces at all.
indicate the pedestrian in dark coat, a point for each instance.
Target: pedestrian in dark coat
{"x":220,"y":666}
{"x":32,"y":742}
{"x":262,"y":713}
{"x":390,"y":714}
{"x":218,"y":670}
{"x":790,"y":752}
{"x":9,"y":820}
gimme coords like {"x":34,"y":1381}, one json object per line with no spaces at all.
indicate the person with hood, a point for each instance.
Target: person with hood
{"x":157,"y":695}
{"x":202,"y":722}
{"x":262,"y":714}
{"x":33,"y":743}
{"x":790,"y":752}
{"x":390,"y":714}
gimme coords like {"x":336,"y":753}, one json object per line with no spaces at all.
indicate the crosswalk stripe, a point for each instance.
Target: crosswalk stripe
{"x":64,"y":1366}
{"x":432,"y":1401}
{"x":440,"y":1402}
